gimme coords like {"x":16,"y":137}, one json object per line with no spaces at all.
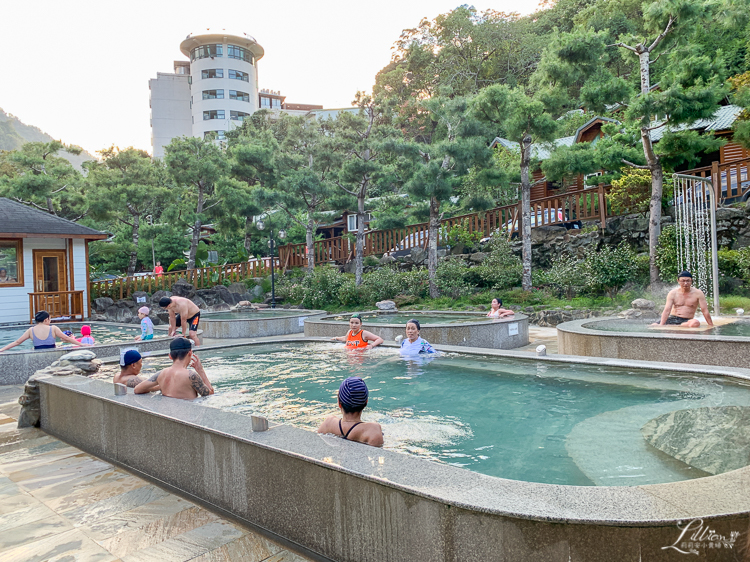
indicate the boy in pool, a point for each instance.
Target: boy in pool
{"x":352,"y":400}
{"x":178,"y":381}
{"x":147,"y":326}
{"x":130,"y":368}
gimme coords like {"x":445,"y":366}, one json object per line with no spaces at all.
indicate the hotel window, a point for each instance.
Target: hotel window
{"x":238,"y":75}
{"x":237,"y":95}
{"x":11,"y":263}
{"x":213,"y":114}
{"x":265,"y":102}
{"x":235,"y":52}
{"x":213,"y":94}
{"x":212,"y":73}
{"x":211,"y":135}
{"x":238,"y":115}
{"x":205,"y":51}
{"x":275,"y":104}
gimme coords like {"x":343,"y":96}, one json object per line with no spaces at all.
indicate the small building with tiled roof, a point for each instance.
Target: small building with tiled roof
{"x":43,"y":264}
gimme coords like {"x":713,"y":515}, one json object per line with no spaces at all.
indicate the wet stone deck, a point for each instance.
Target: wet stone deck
{"x":59,"y":503}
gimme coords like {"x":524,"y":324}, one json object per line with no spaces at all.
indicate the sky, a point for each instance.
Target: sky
{"x":79,"y":69}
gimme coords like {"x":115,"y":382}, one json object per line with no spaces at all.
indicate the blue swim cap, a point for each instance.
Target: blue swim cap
{"x":131,"y":356}
{"x":353,"y":394}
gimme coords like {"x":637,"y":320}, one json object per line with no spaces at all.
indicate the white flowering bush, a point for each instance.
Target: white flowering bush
{"x":608,"y":269}
{"x":501,"y":269}
{"x":566,"y":275}
{"x":451,"y":278}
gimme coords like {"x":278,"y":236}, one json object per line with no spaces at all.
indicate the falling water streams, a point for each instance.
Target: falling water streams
{"x":695,"y":216}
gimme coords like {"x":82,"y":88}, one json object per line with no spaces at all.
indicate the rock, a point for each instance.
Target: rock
{"x":225,"y":295}
{"x":630,"y":313}
{"x":209,"y":296}
{"x":385,"y":260}
{"x":199,"y":302}
{"x":255,"y":293}
{"x":102,"y":304}
{"x":712,"y":439}
{"x":239,"y":288}
{"x":99,"y":317}
{"x":125,"y":303}
{"x":183,"y":289}
{"x":158,"y":295}
{"x":441,"y":253}
{"x":417,"y":256}
{"x":244,"y":304}
{"x":221,"y":307}
{"x":386,"y":305}
{"x":117,"y":314}
{"x":479,"y":257}
{"x":79,"y":355}
{"x":140,"y":298}
{"x":29,"y":401}
{"x":642,"y":304}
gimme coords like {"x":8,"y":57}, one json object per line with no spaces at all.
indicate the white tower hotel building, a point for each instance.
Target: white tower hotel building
{"x":211,"y":93}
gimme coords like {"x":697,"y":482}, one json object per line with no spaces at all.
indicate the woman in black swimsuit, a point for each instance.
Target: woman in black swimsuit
{"x":353,"y":396}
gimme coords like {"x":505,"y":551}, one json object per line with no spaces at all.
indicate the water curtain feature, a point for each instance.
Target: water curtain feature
{"x":695,"y":215}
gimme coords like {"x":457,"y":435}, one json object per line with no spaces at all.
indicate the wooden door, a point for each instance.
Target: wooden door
{"x":50,"y":276}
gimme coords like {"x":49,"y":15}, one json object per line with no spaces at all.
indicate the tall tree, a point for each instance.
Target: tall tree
{"x":457,"y":145}
{"x":37,"y":176}
{"x":525,"y":119}
{"x":127,"y":186}
{"x":196,"y":165}
{"x":362,"y":139}
{"x":690,"y":85}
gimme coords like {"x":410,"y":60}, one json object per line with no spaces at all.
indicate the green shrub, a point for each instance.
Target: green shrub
{"x":742,"y":261}
{"x":608,"y":269}
{"x":461,"y":234}
{"x":321,"y":288}
{"x":666,"y":254}
{"x":729,"y":263}
{"x":370,"y":261}
{"x":451,"y":278}
{"x":416,"y":282}
{"x":566,"y":275}
{"x":501,"y":269}
{"x":383,"y":283}
{"x":351,"y":295}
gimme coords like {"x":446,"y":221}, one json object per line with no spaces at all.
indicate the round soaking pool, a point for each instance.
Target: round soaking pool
{"x":467,"y":329}
{"x":256,"y":323}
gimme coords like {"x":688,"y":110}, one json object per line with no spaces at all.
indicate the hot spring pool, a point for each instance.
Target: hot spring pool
{"x":424,"y":318}
{"x":739,"y":328}
{"x":526,"y":420}
{"x":249,"y":314}
{"x":102,"y":334}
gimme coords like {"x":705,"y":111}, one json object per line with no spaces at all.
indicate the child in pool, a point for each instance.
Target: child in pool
{"x":86,"y":337}
{"x":147,"y":326}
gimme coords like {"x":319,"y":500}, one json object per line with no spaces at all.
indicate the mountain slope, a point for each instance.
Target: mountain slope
{"x":14,"y":134}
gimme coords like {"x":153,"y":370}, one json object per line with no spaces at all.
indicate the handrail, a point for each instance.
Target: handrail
{"x":730,"y":179}
{"x":57,"y":303}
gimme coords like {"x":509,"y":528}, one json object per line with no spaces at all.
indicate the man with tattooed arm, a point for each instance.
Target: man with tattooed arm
{"x":179,"y":381}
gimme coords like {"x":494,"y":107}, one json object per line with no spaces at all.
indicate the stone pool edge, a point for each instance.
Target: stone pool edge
{"x":575,"y":339}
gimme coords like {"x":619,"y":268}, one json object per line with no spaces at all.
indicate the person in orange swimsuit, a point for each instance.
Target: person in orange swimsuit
{"x":356,"y":337}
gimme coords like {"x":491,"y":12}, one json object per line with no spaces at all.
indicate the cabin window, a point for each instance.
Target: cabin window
{"x":351,"y":221}
{"x":11,"y":263}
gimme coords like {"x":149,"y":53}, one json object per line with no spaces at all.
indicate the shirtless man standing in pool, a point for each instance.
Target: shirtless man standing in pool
{"x":182,"y":312}
{"x":682,"y":303}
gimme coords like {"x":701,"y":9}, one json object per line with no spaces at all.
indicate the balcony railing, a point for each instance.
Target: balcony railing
{"x":62,"y":304}
{"x":731,"y":180}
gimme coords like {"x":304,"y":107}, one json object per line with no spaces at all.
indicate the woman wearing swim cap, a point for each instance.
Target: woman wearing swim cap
{"x":497,"y":310}
{"x":413,"y":344}
{"x":352,"y":399}
{"x":356,"y":337}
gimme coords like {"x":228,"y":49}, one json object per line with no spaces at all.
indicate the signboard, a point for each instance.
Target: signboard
{"x":140,"y":299}
{"x":513,"y":329}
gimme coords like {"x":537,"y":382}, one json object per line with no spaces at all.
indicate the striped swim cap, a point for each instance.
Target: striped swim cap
{"x":353,"y":393}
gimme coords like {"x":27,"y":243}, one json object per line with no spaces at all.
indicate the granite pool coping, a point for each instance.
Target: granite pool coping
{"x":577,"y":339}
{"x":721,"y":496}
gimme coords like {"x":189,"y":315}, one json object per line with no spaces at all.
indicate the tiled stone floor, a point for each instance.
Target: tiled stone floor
{"x":59,"y":503}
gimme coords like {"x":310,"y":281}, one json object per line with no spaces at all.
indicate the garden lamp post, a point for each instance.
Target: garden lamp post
{"x":280,"y":234}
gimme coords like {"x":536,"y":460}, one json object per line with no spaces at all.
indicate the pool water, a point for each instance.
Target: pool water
{"x":101,"y":334}
{"x":424,"y":319}
{"x":738,"y":328}
{"x":525,"y":420}
{"x":249,"y":315}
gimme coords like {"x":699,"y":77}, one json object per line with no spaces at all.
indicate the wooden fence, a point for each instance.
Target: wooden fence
{"x":201,"y":278}
{"x":731,"y":180}
{"x":61,"y":304}
{"x":558,"y":209}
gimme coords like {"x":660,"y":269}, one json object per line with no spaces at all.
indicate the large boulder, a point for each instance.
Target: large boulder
{"x":199,"y":302}
{"x":158,"y":295}
{"x":225,"y":295}
{"x":102,"y":304}
{"x":386,"y":305}
{"x":643,"y":304}
{"x":417,"y":256}
{"x":140,"y":298}
{"x":209,"y":296}
{"x":239,"y":288}
{"x":120,"y":314}
{"x":183,"y":289}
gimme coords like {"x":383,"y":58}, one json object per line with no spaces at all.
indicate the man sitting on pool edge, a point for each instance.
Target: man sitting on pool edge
{"x":352,"y":400}
{"x":682,"y":303}
{"x":178,"y":381}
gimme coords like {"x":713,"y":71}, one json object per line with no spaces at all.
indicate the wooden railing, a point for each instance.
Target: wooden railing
{"x":65,"y":304}
{"x":201,"y":278}
{"x":558,"y":209}
{"x":730,"y":179}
